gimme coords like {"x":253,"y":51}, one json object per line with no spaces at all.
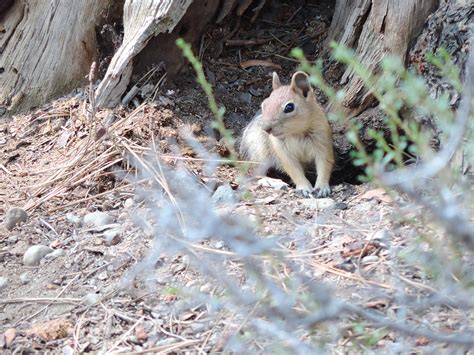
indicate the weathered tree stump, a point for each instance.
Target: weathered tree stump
{"x":46,"y":49}
{"x":374,"y":29}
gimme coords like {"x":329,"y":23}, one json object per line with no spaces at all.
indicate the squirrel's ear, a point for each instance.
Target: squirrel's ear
{"x":300,"y":83}
{"x":276,"y":81}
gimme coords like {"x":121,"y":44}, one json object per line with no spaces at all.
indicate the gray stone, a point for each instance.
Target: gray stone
{"x":13,"y":217}
{"x":67,"y":350}
{"x":381,"y":234}
{"x":318,"y":203}
{"x":97,"y":219}
{"x":55,"y":254}
{"x":219,"y":244}
{"x":91,"y":299}
{"x":112,"y":236}
{"x":35,"y":253}
{"x":3,"y":282}
{"x":276,"y":184}
{"x":246,"y":97}
{"x":206,"y":288}
{"x":225,"y":195}
{"x":128,"y":203}
{"x":198,"y":327}
{"x":186,"y":260}
{"x":73,"y":219}
{"x":370,"y":259}
{"x":25,"y":278}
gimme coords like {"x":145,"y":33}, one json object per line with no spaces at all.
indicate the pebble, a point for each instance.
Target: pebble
{"x":112,"y":236}
{"x":14,"y":217}
{"x":128,"y":203}
{"x":3,"y":282}
{"x":91,"y":299}
{"x":55,"y":254}
{"x":369,"y":259}
{"x":186,"y":260}
{"x":12,"y":239}
{"x":318,"y":203}
{"x":276,"y":184}
{"x":224,"y":194}
{"x":381,"y":234}
{"x":35,"y":253}
{"x":163,"y":280}
{"x":198,"y":327}
{"x":97,"y":219}
{"x":67,"y":350}
{"x":246,"y":97}
{"x":73,"y":219}
{"x":103,"y":276}
{"x":25,"y":278}
{"x":219,"y":244}
{"x":206,"y":288}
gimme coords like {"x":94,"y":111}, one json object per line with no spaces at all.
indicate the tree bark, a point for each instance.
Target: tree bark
{"x":374,"y":29}
{"x":142,"y":20}
{"x":46,"y":49}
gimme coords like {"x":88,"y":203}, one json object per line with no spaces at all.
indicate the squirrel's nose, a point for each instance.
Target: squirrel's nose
{"x":268,"y":129}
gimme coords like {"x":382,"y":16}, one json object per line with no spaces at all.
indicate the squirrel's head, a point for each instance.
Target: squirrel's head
{"x":290,"y":108}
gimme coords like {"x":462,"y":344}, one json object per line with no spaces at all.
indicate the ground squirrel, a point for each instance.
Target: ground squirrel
{"x":291,"y":133}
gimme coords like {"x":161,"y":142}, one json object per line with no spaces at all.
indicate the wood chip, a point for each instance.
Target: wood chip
{"x":259,"y":62}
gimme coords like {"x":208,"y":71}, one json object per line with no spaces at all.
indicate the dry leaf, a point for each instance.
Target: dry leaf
{"x":10,"y":335}
{"x":170,"y":298}
{"x":52,"y":330}
{"x":379,"y":194}
{"x":359,"y":249}
{"x":259,"y":62}
{"x":422,"y":341}
{"x":140,"y":333}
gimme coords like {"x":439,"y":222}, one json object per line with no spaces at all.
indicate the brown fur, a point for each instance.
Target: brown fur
{"x":292,"y":141}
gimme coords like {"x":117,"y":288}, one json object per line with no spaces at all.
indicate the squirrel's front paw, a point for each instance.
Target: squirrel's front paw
{"x":305,"y":191}
{"x":322,"y":191}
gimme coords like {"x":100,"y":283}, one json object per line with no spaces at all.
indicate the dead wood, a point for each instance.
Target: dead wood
{"x":375,"y":29}
{"x":39,"y":58}
{"x":142,"y":20}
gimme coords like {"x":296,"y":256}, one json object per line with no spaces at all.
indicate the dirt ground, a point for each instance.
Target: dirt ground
{"x":111,"y":289}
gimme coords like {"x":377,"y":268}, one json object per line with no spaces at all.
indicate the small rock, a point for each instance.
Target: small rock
{"x":35,"y":253}
{"x":163,"y":280}
{"x":67,"y":350}
{"x":12,"y":239}
{"x":103,"y":276}
{"x":381,"y":234}
{"x":73,"y":219}
{"x":224,"y":195}
{"x":112,"y":236}
{"x":276,"y":184}
{"x":369,"y":259}
{"x":219,"y":244}
{"x":97,"y":219}
{"x":206,"y":288}
{"x":91,"y":299}
{"x":191,"y":283}
{"x":186,"y":260}
{"x":198,"y":327}
{"x":341,"y":206}
{"x":25,"y":278}
{"x":128,"y":203}
{"x":3,"y":282}
{"x":55,"y":254}
{"x":318,"y":203}
{"x":14,"y":217}
{"x":245,"y":97}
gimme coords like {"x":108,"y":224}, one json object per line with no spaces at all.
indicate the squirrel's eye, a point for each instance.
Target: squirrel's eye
{"x":290,"y":107}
